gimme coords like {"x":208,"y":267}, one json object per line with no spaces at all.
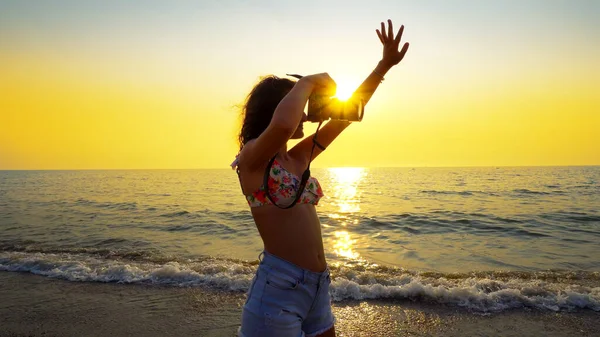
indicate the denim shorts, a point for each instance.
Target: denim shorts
{"x":286,"y":300}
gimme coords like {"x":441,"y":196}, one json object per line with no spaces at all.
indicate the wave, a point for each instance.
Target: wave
{"x":478,"y":291}
{"x":571,"y":217}
{"x":175,"y":214}
{"x":531,"y":192}
{"x":462,"y":193}
{"x":441,"y":222}
{"x":584,"y":218}
{"x":520,"y":191}
{"x":213,"y":273}
{"x":123,"y":206}
{"x":483,"y":295}
{"x":145,"y":254}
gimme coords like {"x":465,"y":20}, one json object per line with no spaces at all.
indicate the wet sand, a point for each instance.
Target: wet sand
{"x":32,"y":305}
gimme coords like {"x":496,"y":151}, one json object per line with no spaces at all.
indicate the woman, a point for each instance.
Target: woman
{"x":289,"y":296}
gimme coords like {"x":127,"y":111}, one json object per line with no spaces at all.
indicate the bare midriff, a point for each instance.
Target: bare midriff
{"x":292,"y":234}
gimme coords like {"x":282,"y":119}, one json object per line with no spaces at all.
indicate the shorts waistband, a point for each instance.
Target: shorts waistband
{"x":291,"y":269}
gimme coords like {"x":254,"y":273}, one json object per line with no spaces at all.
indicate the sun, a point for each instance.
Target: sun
{"x":344,"y":91}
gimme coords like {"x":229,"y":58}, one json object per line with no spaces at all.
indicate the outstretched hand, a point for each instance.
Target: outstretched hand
{"x":391,"y":53}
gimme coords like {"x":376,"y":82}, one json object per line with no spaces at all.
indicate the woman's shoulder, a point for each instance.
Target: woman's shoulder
{"x":242,"y":156}
{"x":244,"y":151}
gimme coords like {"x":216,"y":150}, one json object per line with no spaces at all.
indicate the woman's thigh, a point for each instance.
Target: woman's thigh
{"x":276,"y":306}
{"x":320,"y":318}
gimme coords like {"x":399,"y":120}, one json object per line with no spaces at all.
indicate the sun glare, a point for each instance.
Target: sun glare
{"x":344,"y":91}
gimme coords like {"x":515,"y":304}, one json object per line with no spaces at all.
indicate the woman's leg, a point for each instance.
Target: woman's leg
{"x":320,"y":319}
{"x":272,"y":306}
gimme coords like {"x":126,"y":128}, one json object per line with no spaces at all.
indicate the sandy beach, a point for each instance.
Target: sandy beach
{"x":32,"y":305}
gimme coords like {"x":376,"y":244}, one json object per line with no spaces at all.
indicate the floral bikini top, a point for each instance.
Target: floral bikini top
{"x":282,"y":187}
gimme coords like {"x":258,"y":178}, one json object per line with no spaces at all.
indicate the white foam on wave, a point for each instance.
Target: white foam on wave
{"x":218,"y":274}
{"x":480,"y":294}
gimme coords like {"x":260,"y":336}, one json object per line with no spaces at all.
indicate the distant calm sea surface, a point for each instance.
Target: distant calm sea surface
{"x":484,"y":238}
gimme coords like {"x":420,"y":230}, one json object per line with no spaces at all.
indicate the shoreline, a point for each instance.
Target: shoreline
{"x":34,"y":305}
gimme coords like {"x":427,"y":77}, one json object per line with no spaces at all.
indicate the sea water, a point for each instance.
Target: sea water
{"x":488,"y":239}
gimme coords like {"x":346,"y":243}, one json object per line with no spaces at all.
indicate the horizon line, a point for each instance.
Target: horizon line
{"x":317,"y":167}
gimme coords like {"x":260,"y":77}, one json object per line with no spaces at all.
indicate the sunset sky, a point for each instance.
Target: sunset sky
{"x":158,"y":84}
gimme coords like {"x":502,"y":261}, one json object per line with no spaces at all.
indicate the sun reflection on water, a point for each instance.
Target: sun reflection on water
{"x":343,"y":245}
{"x":345,"y":189}
{"x":346,"y":197}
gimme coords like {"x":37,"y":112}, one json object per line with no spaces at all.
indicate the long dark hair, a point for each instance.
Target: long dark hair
{"x":260,"y":105}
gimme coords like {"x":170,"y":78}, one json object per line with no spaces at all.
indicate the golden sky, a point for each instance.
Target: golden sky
{"x":144,"y":85}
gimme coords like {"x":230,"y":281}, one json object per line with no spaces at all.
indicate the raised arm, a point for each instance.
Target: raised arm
{"x":286,"y":118}
{"x":392,"y":55}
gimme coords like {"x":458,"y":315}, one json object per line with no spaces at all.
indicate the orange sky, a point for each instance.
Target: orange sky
{"x":106,"y":85}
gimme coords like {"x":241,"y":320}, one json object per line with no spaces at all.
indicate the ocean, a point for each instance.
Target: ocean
{"x":484,"y":239}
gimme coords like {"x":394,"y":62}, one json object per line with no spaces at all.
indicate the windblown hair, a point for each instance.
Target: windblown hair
{"x":260,"y":106}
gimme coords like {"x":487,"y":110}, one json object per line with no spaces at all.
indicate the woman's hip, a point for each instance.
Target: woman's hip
{"x":285,"y":297}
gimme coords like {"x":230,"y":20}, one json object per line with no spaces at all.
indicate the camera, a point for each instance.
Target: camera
{"x":321,"y":108}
